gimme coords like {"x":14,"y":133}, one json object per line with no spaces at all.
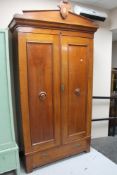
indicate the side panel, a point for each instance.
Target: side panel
{"x":9,"y":158}
{"x":6,"y":124}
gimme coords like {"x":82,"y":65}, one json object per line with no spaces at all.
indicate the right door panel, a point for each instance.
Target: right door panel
{"x":75,"y":82}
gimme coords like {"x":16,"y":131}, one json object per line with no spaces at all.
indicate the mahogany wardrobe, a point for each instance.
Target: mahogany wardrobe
{"x":53,"y":69}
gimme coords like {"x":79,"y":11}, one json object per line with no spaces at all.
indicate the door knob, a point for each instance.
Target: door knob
{"x":77,"y":91}
{"x":42,"y":95}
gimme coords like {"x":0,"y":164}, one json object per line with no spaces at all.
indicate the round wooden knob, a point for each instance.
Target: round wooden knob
{"x":42,"y":95}
{"x":77,"y":91}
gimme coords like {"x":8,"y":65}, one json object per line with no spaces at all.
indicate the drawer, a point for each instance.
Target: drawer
{"x":57,"y":153}
{"x":8,"y":161}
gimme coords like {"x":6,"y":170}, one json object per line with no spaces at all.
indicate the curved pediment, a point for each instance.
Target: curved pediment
{"x":52,"y":18}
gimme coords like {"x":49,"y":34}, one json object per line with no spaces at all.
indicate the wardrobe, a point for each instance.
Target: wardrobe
{"x":53,"y":70}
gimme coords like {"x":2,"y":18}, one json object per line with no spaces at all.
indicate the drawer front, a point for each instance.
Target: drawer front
{"x":8,"y":161}
{"x":54,"y":154}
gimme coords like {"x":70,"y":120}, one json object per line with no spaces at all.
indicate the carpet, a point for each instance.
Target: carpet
{"x":107,"y":146}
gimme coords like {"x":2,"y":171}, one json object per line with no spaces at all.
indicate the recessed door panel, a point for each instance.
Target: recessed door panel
{"x":74,"y":78}
{"x":77,"y":84}
{"x":44,"y":93}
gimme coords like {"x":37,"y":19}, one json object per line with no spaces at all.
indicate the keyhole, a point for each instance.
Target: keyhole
{"x":81,"y":60}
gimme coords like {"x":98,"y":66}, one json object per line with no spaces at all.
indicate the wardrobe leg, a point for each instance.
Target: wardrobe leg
{"x":29,"y":164}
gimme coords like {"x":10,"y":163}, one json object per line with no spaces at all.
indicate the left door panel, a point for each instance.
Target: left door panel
{"x":43,"y":86}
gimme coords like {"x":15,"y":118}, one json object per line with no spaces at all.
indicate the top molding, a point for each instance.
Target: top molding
{"x":52,"y":19}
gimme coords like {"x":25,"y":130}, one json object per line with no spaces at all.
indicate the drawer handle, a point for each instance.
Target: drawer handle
{"x":78,"y":145}
{"x":77,"y":91}
{"x":44,"y":154}
{"x":42,"y":95}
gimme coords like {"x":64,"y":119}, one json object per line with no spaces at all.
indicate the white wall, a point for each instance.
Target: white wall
{"x":102,"y":79}
{"x":11,"y":7}
{"x":113,"y":17}
{"x":113,"y":24}
{"x":114,"y":54}
{"x":102,"y":55}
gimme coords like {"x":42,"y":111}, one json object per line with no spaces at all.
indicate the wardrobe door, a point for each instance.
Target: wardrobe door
{"x":43,"y":81}
{"x":75,"y":55}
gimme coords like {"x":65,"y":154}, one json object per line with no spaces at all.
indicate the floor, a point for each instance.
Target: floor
{"x":84,"y":164}
{"x":107,"y":146}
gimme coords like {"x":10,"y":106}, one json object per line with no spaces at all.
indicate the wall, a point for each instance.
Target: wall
{"x":114,"y":54}
{"x":102,"y":55}
{"x":113,"y":17}
{"x":9,"y":8}
{"x":102,"y":79}
{"x":113,"y":24}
